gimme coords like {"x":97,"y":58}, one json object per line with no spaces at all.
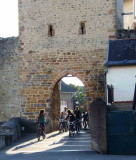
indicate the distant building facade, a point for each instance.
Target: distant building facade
{"x":66,"y":96}
{"x":121,"y":70}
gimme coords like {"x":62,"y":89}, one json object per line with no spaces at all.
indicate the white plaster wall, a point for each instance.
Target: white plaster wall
{"x":123,"y":79}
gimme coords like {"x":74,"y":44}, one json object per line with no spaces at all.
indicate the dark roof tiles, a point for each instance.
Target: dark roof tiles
{"x":121,"y":52}
{"x":66,"y":88}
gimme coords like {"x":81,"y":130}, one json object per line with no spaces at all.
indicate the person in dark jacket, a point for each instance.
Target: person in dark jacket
{"x":77,"y":113}
{"x":70,"y":116}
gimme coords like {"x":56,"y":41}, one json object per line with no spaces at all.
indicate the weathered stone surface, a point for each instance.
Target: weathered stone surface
{"x":9,"y":84}
{"x":29,"y":77}
{"x":10,"y":131}
{"x":44,"y":60}
{"x":98,"y":125}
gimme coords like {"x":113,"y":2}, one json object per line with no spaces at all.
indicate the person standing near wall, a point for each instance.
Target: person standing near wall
{"x":65,"y":113}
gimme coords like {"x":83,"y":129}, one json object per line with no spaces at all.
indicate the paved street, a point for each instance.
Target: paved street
{"x":56,"y":147}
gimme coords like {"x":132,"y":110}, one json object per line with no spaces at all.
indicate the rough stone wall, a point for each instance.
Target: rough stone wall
{"x":55,"y":112}
{"x":44,"y":60}
{"x":9,"y":87}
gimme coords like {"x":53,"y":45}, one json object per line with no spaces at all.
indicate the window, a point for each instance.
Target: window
{"x":51,"y":31}
{"x":64,"y":103}
{"x":82,"y":29}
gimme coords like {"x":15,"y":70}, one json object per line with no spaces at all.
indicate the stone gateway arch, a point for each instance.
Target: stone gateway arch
{"x":57,"y":38}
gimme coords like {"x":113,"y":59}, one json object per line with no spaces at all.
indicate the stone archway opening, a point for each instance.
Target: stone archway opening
{"x":69,"y":92}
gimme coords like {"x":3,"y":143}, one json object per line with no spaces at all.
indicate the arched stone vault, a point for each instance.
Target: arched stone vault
{"x":55,"y":105}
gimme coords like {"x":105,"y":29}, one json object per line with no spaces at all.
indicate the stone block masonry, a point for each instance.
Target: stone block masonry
{"x":9,"y":86}
{"x":46,"y":58}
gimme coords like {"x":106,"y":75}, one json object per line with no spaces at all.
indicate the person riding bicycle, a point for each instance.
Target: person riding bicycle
{"x":71,"y":119}
{"x":41,"y":120}
{"x":85,"y":119}
{"x":78,"y":116}
{"x":70,"y":116}
{"x":77,"y":113}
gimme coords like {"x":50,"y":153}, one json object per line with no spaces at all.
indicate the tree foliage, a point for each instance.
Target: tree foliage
{"x":79,"y":97}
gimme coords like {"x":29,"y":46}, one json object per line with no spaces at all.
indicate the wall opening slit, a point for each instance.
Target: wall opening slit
{"x":82,"y":29}
{"x":51,"y":31}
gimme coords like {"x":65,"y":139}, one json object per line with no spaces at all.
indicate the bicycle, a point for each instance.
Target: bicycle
{"x":78,"y":125}
{"x":40,"y":132}
{"x":71,"y":128}
{"x":85,"y":124}
{"x":62,"y":125}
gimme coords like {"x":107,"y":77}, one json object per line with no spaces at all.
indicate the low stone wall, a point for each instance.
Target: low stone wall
{"x":10,"y":132}
{"x":28,"y":126}
{"x":2,"y":141}
{"x":13,"y":129}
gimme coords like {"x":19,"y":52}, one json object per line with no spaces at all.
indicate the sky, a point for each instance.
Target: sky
{"x":8,"y":18}
{"x":72,"y":80}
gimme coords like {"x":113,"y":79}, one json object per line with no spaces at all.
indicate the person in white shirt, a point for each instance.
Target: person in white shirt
{"x":65,"y":113}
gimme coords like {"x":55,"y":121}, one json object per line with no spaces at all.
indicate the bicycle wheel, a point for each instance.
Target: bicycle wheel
{"x":38,"y":134}
{"x":77,"y":128}
{"x":73,"y":134}
{"x":69,"y":133}
{"x":43,"y":135}
{"x":60,"y":127}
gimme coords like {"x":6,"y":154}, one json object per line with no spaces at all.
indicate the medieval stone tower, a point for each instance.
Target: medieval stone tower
{"x":57,"y":38}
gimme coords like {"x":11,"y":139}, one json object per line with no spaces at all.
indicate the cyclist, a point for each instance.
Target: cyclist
{"x":70,"y":116}
{"x":71,"y":119}
{"x":85,"y":119}
{"x":77,"y":113}
{"x":41,"y":121}
{"x":78,"y":118}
